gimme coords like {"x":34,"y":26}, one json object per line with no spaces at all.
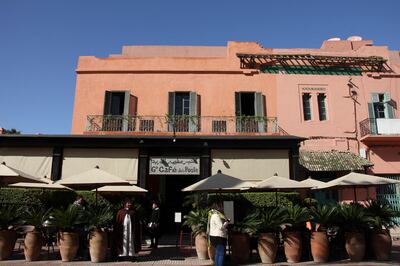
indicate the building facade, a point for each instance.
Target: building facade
{"x":164,"y":117}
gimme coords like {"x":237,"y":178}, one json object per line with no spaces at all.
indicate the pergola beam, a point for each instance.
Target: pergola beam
{"x":369,"y":64}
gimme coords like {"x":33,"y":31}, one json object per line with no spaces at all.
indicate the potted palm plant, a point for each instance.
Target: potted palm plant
{"x":98,"y":220}
{"x":8,"y":218}
{"x":33,"y":239}
{"x":295,"y":221}
{"x":68,"y":239}
{"x":270,"y":221}
{"x":197,"y":221}
{"x":382,"y":218}
{"x":240,"y":237}
{"x":322,"y":216}
{"x":354,"y":221}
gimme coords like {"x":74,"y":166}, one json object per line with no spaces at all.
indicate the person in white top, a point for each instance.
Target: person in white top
{"x":217,"y":232}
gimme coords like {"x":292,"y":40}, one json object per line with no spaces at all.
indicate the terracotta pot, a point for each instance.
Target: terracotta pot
{"x":7,"y":243}
{"x":319,"y":246}
{"x":211,"y":253}
{"x":32,"y":245}
{"x":267,"y":247}
{"x":240,"y":245}
{"x":200,"y":242}
{"x":381,"y":243}
{"x":292,"y":244}
{"x":355,"y":245}
{"x":69,"y":244}
{"x":98,"y":245}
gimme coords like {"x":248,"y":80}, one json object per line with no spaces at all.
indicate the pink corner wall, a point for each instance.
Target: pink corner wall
{"x":150,"y":79}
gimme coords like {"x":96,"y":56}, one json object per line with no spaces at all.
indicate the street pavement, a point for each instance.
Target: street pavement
{"x":170,"y":255}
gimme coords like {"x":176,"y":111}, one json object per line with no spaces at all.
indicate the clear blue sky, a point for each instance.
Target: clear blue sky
{"x":40,"y":41}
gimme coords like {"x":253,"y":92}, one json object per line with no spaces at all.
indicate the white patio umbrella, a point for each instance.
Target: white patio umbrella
{"x":219,"y":183}
{"x":40,"y":185}
{"x":277,"y":183}
{"x":125,"y":189}
{"x":313,"y":183}
{"x":358,"y":180}
{"x":10,"y":175}
{"x":92,"y":179}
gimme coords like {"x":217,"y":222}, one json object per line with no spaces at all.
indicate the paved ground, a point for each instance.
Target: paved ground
{"x":170,"y":255}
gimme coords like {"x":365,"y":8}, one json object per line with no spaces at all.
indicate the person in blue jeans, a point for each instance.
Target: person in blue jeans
{"x":217,"y":232}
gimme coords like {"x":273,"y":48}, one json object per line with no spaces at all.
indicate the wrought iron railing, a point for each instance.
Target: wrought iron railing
{"x":380,"y":126}
{"x":196,"y":124}
{"x":368,"y":127}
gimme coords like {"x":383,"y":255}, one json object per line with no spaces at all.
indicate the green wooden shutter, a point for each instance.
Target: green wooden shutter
{"x":238,"y":111}
{"x":374,"y":97}
{"x":107,"y":110}
{"x":389,"y":110}
{"x":259,"y":111}
{"x":125,"y":114}
{"x":107,"y":103}
{"x":171,"y":111}
{"x":372,"y":120}
{"x":194,"y":119}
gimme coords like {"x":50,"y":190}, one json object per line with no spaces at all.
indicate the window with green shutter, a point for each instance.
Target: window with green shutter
{"x":306,"y":106}
{"x":382,"y":106}
{"x":183,"y":111}
{"x":322,"y":106}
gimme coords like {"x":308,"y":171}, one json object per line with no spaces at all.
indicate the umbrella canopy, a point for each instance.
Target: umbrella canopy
{"x":125,"y":189}
{"x":312,"y":182}
{"x":10,"y":175}
{"x":219,"y":183}
{"x":280,"y":183}
{"x":40,"y":185}
{"x":276,"y":183}
{"x":358,"y":180}
{"x":92,"y":178}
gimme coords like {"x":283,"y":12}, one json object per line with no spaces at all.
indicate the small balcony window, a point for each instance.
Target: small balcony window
{"x":322,"y":106}
{"x":307,"y":106}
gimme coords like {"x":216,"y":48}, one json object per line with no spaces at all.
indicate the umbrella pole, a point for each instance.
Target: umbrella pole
{"x":276,"y":198}
{"x":355,"y":194}
{"x":96,"y":197}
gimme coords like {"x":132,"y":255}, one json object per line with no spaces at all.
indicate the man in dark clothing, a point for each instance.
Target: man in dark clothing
{"x":83,"y":252}
{"x":154,"y":225}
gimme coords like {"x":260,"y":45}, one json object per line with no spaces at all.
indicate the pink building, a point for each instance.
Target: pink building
{"x":244,"y":109}
{"x":341,"y":97}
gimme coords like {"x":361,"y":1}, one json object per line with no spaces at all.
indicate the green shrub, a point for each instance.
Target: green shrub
{"x":10,"y":216}
{"x":67,"y":219}
{"x":197,"y":220}
{"x":59,"y":199}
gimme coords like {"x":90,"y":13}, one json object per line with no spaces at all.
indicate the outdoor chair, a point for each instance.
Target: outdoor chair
{"x":49,"y":238}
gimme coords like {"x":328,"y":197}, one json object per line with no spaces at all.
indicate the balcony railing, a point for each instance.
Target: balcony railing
{"x":380,"y":126}
{"x":214,"y":125}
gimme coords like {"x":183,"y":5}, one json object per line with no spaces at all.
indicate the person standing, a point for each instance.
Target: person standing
{"x":217,"y":232}
{"x":124,"y":229}
{"x":154,"y":225}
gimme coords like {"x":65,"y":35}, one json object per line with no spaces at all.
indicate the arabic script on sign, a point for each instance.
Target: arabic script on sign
{"x":174,"y":166}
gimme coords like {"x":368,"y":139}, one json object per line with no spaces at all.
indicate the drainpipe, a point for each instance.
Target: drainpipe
{"x":353,"y":96}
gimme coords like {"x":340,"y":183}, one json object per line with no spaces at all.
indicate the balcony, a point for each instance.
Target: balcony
{"x":380,"y":130}
{"x":182,"y":125}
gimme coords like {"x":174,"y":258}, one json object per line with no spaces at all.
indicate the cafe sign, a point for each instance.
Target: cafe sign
{"x":174,"y":166}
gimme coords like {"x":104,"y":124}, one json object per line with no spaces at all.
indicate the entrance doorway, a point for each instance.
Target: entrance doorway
{"x":168,"y":188}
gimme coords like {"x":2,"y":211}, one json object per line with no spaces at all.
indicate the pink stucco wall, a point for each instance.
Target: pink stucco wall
{"x":338,"y":132}
{"x":215,"y":79}
{"x":214,"y":73}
